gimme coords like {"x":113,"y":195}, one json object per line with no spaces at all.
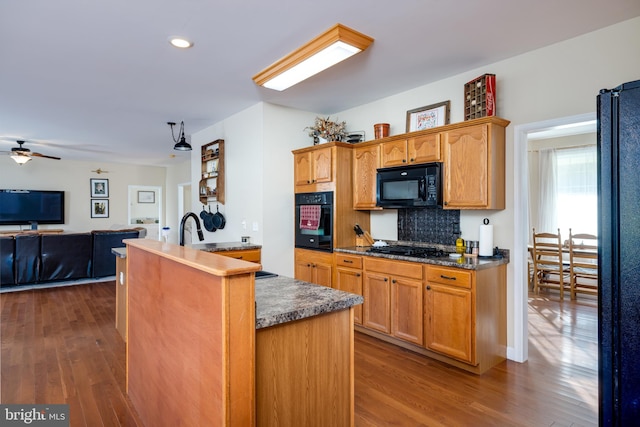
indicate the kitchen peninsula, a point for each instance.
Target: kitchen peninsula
{"x":209,"y":345}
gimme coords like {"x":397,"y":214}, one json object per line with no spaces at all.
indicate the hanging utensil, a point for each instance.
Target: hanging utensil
{"x":219,"y":220}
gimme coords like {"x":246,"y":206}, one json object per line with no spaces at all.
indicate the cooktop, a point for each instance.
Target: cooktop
{"x":412,"y":251}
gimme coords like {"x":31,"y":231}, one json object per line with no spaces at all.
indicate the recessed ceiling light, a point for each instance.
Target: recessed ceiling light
{"x":180,"y":42}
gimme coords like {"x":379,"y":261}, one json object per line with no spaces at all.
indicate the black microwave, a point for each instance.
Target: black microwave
{"x":410,"y":187}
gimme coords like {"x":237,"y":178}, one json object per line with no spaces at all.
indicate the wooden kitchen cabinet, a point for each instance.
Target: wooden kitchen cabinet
{"x":393,"y":298}
{"x":377,"y":302}
{"x":349,"y":279}
{"x":449,"y":307}
{"x":406,"y":309}
{"x":410,"y":151}
{"x":313,"y":267}
{"x":366,"y":161}
{"x":251,"y":255}
{"x":465,"y":315}
{"x":313,"y":167}
{"x":474,"y":166}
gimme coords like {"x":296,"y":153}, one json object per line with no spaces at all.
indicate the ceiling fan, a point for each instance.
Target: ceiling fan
{"x":22,"y":155}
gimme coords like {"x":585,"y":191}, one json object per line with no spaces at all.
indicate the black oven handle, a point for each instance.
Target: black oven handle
{"x":422,"y":189}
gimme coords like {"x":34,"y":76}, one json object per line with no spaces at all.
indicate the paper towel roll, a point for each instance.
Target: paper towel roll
{"x":486,"y":239}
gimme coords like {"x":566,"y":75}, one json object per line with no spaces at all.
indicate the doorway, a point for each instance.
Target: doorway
{"x":566,"y":125}
{"x":145,"y":209}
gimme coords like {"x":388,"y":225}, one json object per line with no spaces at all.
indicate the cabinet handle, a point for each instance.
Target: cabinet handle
{"x":404,"y":160}
{"x":358,"y":274}
{"x":308,"y":265}
{"x":428,"y":288}
{"x":442,"y":276}
{"x":445,"y":203}
{"x":412,"y":160}
{"x":386,"y":280}
{"x":393,"y":281}
{"x":308,"y":182}
{"x":347,"y":261}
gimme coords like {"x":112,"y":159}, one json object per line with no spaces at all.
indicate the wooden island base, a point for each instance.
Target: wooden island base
{"x":195,"y":357}
{"x":304,"y":372}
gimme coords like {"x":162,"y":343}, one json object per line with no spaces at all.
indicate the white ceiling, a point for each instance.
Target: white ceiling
{"x":97,"y":79}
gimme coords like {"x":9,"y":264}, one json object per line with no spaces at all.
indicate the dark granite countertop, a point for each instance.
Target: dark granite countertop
{"x":224,"y":246}
{"x":283,"y":299}
{"x":468,"y":263}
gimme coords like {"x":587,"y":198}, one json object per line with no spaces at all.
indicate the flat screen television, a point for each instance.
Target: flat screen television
{"x":23,"y":207}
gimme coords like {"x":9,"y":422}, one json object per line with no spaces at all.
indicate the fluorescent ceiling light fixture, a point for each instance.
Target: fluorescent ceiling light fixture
{"x":180,"y":42}
{"x":335,"y":45}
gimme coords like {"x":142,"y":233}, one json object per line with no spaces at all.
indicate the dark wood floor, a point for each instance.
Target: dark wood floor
{"x":60,"y":346}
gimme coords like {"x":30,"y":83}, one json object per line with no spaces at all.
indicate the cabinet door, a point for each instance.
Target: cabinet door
{"x":466,"y":170}
{"x":406,"y":310}
{"x":448,"y":322}
{"x":424,"y":149}
{"x":302,"y":168}
{"x":303,"y":270}
{"x":394,"y":153}
{"x":377,"y":302}
{"x":350,"y":280}
{"x":322,"y":274}
{"x":366,"y":161}
{"x":322,"y":171}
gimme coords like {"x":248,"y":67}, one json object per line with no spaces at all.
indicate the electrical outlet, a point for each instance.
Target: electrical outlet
{"x":255,"y":225}
{"x":244,"y":224}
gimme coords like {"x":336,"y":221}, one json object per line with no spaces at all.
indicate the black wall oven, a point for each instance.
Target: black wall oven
{"x":314,"y":221}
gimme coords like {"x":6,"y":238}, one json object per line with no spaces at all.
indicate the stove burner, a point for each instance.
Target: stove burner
{"x":411,"y":251}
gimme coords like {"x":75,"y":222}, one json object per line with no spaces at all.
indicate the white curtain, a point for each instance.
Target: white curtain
{"x":547,"y":185}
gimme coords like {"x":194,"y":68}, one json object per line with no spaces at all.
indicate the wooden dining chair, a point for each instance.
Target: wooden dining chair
{"x":583,"y":263}
{"x":549,"y":268}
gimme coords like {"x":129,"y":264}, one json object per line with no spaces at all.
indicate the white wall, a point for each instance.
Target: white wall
{"x":258,"y":179}
{"x":73,"y":178}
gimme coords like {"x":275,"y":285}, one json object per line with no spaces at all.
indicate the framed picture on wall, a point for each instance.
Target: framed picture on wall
{"x":428,"y":117}
{"x":99,"y":187}
{"x":146,"y":196}
{"x":99,"y":208}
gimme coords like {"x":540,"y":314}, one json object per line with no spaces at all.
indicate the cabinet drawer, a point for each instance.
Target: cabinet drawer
{"x":251,"y":255}
{"x":394,"y":268}
{"x":449,"y":276}
{"x":351,"y":261}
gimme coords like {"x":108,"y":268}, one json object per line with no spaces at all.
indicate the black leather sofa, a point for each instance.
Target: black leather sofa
{"x":31,"y":258}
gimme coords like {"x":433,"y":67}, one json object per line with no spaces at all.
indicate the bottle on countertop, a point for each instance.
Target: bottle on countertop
{"x":460,"y":247}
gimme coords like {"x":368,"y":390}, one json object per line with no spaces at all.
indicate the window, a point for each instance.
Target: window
{"x":577,"y":190}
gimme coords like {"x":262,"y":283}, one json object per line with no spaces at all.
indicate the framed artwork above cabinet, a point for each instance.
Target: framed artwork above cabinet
{"x":211,"y":187}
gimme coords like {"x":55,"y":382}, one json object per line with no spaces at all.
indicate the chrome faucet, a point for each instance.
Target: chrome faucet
{"x":182,"y":224}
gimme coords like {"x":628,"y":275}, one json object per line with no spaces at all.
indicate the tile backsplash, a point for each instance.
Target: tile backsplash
{"x":429,"y":225}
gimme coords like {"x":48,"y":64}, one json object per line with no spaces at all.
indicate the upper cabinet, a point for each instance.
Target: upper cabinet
{"x":313,"y":167}
{"x":366,"y":161}
{"x":472,"y":153}
{"x":212,"y":173}
{"x":474,"y":165}
{"x":411,"y":151}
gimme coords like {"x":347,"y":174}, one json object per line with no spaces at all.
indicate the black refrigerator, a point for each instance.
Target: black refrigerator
{"x":619,"y":234}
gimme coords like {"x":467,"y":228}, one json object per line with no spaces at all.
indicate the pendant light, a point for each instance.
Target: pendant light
{"x":181,"y":142}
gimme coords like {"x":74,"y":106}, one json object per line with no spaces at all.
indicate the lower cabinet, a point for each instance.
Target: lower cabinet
{"x":251,"y":255}
{"x":393,"y":298}
{"x":449,"y":322}
{"x":314,"y":266}
{"x":349,"y":279}
{"x":452,"y":314}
